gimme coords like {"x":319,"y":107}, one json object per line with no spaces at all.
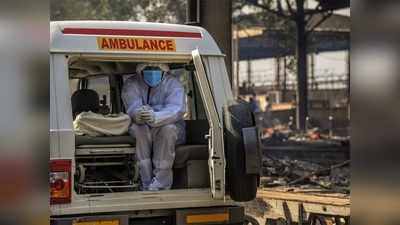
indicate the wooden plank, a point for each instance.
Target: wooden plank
{"x":280,"y":202}
{"x":303,"y":197}
{"x":277,"y":210}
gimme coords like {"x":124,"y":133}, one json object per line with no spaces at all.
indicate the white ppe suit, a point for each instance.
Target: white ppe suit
{"x":155,"y":142}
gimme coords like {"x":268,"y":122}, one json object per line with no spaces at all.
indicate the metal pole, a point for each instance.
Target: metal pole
{"x":193,"y":12}
{"x":312,"y":71}
{"x":284,"y":79}
{"x":278,"y":73}
{"x":301,"y":53}
{"x":348,"y":85}
{"x":216,"y":18}
{"x":249,"y":75}
{"x":237,"y":60}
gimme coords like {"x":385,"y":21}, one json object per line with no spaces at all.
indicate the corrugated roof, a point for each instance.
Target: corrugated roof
{"x":333,"y":23}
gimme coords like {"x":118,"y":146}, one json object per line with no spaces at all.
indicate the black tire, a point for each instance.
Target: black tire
{"x":240,"y":185}
{"x":279,"y":221}
{"x":249,"y":220}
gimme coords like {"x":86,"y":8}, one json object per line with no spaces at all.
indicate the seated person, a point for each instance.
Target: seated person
{"x":155,"y":101}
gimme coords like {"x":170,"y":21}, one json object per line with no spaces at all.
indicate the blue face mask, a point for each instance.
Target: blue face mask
{"x":152,"y":77}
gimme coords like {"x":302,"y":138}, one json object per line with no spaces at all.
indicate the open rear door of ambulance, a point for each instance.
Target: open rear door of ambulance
{"x":216,"y":160}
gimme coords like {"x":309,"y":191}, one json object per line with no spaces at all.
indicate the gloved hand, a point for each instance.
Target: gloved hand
{"x":138,"y":117}
{"x":148,"y":116}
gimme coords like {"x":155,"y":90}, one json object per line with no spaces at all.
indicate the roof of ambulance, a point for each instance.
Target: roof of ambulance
{"x":81,"y":36}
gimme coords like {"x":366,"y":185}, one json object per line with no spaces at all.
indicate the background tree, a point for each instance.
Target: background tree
{"x":304,"y":18}
{"x":170,"y":11}
{"x":246,"y":15}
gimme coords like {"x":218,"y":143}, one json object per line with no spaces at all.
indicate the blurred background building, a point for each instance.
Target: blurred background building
{"x":264,"y":53}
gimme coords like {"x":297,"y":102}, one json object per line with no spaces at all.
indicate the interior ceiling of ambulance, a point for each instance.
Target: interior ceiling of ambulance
{"x":81,"y":68}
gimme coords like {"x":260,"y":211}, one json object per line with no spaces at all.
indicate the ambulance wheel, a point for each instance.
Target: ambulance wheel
{"x":249,"y":220}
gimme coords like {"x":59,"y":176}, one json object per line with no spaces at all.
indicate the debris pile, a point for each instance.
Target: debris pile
{"x":276,"y":137}
{"x":275,"y":132}
{"x":297,"y":173}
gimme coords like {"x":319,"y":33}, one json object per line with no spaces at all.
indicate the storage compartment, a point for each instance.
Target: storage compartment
{"x":100,"y":172}
{"x":107,"y":164}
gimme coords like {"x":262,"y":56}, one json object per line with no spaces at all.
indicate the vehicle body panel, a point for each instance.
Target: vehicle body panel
{"x":74,"y":42}
{"x":64,"y":47}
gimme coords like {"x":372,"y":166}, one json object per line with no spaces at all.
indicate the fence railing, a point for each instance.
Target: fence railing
{"x":317,"y":83}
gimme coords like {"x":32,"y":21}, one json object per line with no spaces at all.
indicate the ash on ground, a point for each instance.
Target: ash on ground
{"x":306,"y":175}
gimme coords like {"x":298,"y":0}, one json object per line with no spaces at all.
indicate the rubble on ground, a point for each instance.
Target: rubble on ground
{"x":292,"y":172}
{"x":276,"y":133}
{"x":296,"y":173}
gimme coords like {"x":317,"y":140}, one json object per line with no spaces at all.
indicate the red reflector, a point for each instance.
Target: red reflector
{"x":59,"y":184}
{"x":126,"y":32}
{"x":60,"y":181}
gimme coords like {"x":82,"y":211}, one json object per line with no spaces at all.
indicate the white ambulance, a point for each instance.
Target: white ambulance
{"x":94,"y":179}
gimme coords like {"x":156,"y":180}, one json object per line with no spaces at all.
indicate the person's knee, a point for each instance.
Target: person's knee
{"x":169,"y":131}
{"x":138,"y":130}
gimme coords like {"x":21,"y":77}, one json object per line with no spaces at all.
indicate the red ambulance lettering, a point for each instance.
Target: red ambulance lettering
{"x":114,"y":43}
{"x":131,"y":44}
{"x":136,"y":44}
{"x":146,"y":45}
{"x":161,"y":44}
{"x":170,"y":46}
{"x":104,"y":44}
{"x":122,"y":44}
{"x":154,"y":44}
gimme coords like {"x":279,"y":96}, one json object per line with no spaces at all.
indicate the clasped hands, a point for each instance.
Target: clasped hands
{"x":145,"y":115}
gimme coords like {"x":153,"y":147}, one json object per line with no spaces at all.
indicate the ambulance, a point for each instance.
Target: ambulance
{"x":93,"y":180}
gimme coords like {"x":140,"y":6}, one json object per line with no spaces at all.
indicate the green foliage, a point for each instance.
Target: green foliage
{"x":172,"y":11}
{"x":164,"y":10}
